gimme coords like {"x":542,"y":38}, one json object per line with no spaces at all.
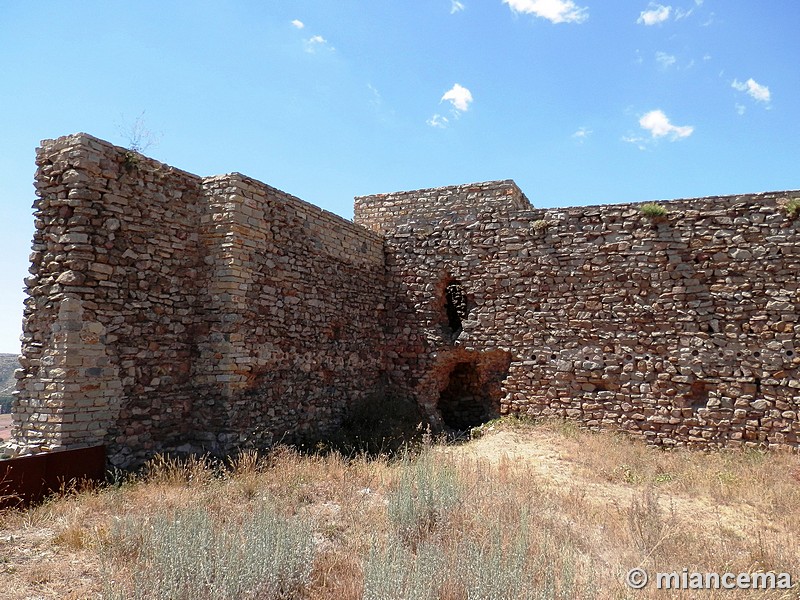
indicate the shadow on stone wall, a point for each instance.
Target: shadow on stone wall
{"x":470,"y":387}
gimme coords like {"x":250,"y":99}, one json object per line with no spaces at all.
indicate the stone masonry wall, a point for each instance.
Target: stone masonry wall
{"x":172,"y":312}
{"x":113,"y":287}
{"x":461,"y":203}
{"x":680,"y":329}
{"x":292,"y":314}
{"x":167,"y":311}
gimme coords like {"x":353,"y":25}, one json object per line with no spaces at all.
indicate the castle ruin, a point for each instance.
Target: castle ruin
{"x":168,"y":311}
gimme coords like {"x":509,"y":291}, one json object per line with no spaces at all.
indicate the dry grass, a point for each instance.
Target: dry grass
{"x":541,"y":511}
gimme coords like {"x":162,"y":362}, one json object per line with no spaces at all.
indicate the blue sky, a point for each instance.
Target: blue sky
{"x":581,"y":102}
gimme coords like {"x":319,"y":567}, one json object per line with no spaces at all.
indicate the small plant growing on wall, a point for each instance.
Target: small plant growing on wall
{"x":139,"y":138}
{"x":130,"y":160}
{"x":792,"y":207}
{"x":540,"y":225}
{"x":653,"y":210}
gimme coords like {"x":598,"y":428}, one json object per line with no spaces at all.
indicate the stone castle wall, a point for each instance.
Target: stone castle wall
{"x":172,"y":312}
{"x":679,"y":329}
{"x":115,"y":275}
{"x":169,"y":311}
{"x":292,"y":314}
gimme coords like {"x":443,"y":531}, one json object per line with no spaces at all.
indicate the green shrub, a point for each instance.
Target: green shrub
{"x":130,"y":160}
{"x":793,"y":207}
{"x":395,"y":573}
{"x":187,"y":556}
{"x":653,"y":210}
{"x":516,"y":563}
{"x":540,"y":225}
{"x":426,"y":495}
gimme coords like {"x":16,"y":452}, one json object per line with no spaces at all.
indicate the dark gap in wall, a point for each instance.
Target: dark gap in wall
{"x":600,"y":385}
{"x":758,"y":386}
{"x":698,"y":395}
{"x":455,"y":307}
{"x":464,"y":403}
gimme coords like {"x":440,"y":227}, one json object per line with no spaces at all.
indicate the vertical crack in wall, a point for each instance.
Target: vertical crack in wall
{"x":456,"y":308}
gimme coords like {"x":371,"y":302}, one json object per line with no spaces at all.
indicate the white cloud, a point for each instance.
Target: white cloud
{"x":315,"y":42}
{"x":712,"y":18}
{"x":740,"y":108}
{"x":556,"y":11}
{"x":582,"y":134}
{"x":656,"y":13}
{"x":758,"y":92}
{"x":683,"y":13}
{"x":665,"y":60}
{"x":298,"y":23}
{"x":438,"y":120}
{"x":456,"y":6}
{"x":459,"y":96}
{"x":376,"y":99}
{"x":657,"y":123}
{"x":640,"y":142}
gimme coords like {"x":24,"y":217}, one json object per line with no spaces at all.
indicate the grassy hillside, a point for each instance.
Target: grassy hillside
{"x":526,"y":511}
{"x":8,"y":364}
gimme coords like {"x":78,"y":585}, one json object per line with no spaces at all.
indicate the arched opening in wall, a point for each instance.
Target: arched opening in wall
{"x":455,"y":306}
{"x":465,"y":402}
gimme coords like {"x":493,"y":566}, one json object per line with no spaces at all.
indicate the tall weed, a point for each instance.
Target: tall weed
{"x":426,"y":495}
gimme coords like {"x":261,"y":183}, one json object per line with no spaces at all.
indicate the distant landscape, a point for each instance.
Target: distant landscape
{"x":8,"y":364}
